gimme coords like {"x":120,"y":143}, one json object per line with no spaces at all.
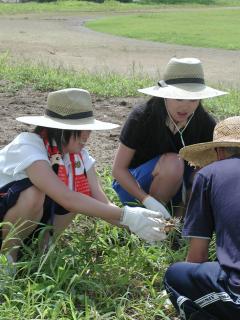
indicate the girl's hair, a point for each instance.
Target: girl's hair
{"x":60,"y":136}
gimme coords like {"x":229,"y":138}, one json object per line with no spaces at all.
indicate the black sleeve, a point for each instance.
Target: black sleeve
{"x":132,"y":130}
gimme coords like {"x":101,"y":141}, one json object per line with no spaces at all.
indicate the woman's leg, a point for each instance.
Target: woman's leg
{"x":167,"y":177}
{"x":21,"y":220}
{"x":143,"y":176}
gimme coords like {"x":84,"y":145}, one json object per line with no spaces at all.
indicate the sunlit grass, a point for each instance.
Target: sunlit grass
{"x":109,"y":84}
{"x":201,"y":28}
{"x":74,"y":6}
{"x":94,"y":271}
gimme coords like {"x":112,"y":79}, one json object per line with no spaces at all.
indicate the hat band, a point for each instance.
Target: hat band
{"x":181,"y":80}
{"x":74,"y":116}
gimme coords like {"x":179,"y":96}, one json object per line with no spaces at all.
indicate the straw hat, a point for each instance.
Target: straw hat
{"x":226,"y":134}
{"x":183,"y":79}
{"x":69,"y":109}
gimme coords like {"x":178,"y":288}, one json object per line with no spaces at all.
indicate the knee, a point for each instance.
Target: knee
{"x":33,"y":200}
{"x":170,"y":165}
{"x":171,"y":277}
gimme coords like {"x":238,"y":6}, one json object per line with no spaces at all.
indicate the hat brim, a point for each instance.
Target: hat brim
{"x":82,"y":124}
{"x":202,"y":154}
{"x":186,"y":91}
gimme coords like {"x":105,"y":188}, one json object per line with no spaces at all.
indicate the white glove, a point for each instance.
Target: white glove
{"x":144,"y":223}
{"x":152,"y":204}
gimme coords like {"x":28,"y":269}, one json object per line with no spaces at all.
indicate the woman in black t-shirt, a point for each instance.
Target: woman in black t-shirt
{"x":147,"y":167}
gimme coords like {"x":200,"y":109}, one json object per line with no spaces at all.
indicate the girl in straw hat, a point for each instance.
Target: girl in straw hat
{"x":48,"y":176}
{"x":147,"y":167}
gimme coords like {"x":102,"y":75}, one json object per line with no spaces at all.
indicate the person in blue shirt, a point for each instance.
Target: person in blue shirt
{"x":199,"y":288}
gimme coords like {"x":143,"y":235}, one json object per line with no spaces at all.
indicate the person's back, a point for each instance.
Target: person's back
{"x":222,"y":182}
{"x":211,"y":289}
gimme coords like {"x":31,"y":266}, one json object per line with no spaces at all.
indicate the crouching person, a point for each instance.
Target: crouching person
{"x":200,"y":289}
{"x":48,"y":176}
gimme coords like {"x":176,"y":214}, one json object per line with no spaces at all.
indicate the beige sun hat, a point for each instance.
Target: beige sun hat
{"x":183,"y":79}
{"x":69,"y":109}
{"x":226,"y":134}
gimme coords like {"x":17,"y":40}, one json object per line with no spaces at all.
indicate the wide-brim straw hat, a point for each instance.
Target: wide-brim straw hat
{"x":183,"y":79}
{"x":68,"y":109}
{"x":226,"y":134}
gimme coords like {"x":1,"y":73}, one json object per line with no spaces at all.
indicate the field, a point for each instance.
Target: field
{"x":94,"y":271}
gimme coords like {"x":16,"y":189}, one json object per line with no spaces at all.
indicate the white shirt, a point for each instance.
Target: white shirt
{"x":25,"y":149}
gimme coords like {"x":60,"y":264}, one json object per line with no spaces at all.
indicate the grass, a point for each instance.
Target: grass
{"x":75,"y":7}
{"x":107,"y":84}
{"x":94,"y":272}
{"x":216,"y":28}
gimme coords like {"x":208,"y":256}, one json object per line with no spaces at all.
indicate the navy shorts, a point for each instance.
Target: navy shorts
{"x":9,"y":195}
{"x":201,"y":291}
{"x":143,"y":176}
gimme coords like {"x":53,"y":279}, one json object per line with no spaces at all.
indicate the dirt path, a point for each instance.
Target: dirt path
{"x":63,"y":40}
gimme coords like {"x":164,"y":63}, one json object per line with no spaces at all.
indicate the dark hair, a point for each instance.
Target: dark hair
{"x":233,"y":150}
{"x":60,"y":136}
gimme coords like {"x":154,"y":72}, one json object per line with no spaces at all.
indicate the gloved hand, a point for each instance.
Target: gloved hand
{"x":152,"y":204}
{"x":146,"y":224}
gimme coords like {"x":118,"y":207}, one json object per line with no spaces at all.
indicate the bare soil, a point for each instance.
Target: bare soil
{"x":102,"y":144}
{"x":63,"y":40}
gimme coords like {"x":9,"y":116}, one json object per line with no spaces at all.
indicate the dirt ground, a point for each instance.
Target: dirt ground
{"x":63,"y":40}
{"x":102,"y":144}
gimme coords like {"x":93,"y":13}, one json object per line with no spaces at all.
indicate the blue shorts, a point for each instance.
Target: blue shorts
{"x":143,"y":175}
{"x":201,"y":291}
{"x":9,"y":195}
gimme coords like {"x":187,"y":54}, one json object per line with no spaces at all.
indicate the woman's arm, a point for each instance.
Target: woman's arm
{"x":43,"y":177}
{"x":97,"y":191}
{"x":145,"y":223}
{"x":120,"y":172}
{"x":95,"y":186}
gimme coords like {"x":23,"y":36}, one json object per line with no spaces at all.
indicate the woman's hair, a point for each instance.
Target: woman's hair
{"x":60,"y":136}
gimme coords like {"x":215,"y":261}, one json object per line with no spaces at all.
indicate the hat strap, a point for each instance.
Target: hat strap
{"x":163,"y":83}
{"x":74,"y":116}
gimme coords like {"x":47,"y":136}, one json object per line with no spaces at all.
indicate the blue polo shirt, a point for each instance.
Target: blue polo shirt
{"x":215,"y":207}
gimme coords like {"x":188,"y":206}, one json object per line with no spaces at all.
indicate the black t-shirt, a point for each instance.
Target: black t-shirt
{"x":146,"y":132}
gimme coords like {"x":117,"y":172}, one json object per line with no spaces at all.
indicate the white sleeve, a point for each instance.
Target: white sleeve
{"x":88,"y":160}
{"x":25,"y":149}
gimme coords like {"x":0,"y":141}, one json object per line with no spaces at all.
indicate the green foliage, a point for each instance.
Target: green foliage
{"x":106,"y":83}
{"x":94,"y":271}
{"x":75,"y":6}
{"x":179,"y":2}
{"x":41,"y":77}
{"x":216,"y":28}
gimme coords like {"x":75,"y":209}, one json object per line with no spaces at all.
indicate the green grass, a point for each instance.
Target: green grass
{"x":41,"y":77}
{"x":202,"y":28}
{"x":95,"y":271}
{"x":108,"y":84}
{"x":75,"y":7}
